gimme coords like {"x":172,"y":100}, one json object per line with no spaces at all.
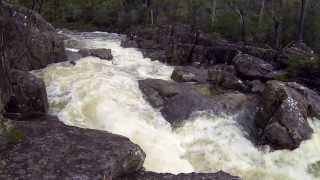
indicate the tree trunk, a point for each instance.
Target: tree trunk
{"x":152,"y":16}
{"x":261,"y":13}
{"x":302,"y":19}
{"x":242,"y":23}
{"x":213,"y":13}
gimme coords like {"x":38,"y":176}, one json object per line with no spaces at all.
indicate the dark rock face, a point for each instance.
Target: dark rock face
{"x":32,"y":43}
{"x":252,"y":67}
{"x":283,"y":117}
{"x":29,"y":94}
{"x":100,"y":53}
{"x":225,"y":76}
{"x":177,"y":101}
{"x":193,"y":176}
{"x":189,"y":74}
{"x":51,"y":150}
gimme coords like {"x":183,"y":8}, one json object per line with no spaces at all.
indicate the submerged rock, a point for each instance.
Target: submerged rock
{"x":100,"y":53}
{"x":51,"y":150}
{"x":192,"y":176}
{"x":283,"y":117}
{"x":28,"y":94}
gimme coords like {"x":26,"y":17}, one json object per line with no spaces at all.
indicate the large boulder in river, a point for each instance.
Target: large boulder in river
{"x":100,"y":53}
{"x":283,"y":117}
{"x":29,"y":94}
{"x":31,"y":42}
{"x":192,"y":176}
{"x":177,"y":101}
{"x":48,"y":149}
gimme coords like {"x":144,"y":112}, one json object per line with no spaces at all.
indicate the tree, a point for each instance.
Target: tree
{"x":302,"y":19}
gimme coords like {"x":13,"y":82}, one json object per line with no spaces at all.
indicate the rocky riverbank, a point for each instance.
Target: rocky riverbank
{"x":234,"y":79}
{"x":35,"y":145}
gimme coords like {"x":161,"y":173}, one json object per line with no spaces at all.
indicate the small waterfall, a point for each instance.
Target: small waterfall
{"x":104,"y":95}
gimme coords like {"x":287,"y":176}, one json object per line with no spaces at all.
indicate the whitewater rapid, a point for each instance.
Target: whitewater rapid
{"x":104,"y":95}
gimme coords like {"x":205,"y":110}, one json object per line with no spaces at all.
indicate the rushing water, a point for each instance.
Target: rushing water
{"x":104,"y":95}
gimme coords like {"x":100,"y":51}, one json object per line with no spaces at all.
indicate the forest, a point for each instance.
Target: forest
{"x":275,"y":23}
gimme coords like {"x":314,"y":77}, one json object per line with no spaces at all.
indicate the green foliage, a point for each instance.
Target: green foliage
{"x":303,"y":67}
{"x":13,"y":136}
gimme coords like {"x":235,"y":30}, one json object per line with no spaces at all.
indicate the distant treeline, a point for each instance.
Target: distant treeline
{"x":272,"y":22}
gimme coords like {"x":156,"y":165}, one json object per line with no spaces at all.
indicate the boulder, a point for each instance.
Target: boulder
{"x":48,"y":149}
{"x":100,"y":53}
{"x":225,"y":76}
{"x":282,"y":117}
{"x":29,"y":94}
{"x":252,"y":67}
{"x":312,"y":98}
{"x":31,"y":42}
{"x":177,"y":101}
{"x":192,"y":176}
{"x":189,"y":74}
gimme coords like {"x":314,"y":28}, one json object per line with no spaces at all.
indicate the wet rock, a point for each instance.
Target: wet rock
{"x":283,"y":117}
{"x":189,"y":74}
{"x":100,"y":53}
{"x":73,"y":56}
{"x":177,"y":101}
{"x":31,"y":42}
{"x":29,"y":94}
{"x":192,"y":176}
{"x":49,"y":149}
{"x":252,"y":67}
{"x":225,"y":76}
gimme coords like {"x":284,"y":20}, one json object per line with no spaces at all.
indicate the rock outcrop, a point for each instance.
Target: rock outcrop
{"x":182,"y":45}
{"x":283,"y":116}
{"x":48,"y":149}
{"x":32,"y":43}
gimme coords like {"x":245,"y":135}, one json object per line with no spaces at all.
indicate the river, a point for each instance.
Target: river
{"x":104,"y":95}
